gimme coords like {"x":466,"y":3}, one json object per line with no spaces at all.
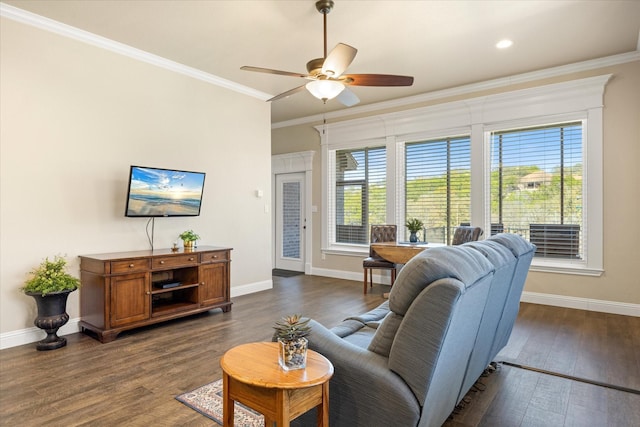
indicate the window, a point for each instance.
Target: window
{"x":536,"y":187}
{"x":360,"y":193}
{"x":527,"y":161}
{"x":438,"y":186}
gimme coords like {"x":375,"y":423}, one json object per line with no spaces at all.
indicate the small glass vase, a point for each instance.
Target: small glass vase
{"x":293,"y":354}
{"x":413,"y":238}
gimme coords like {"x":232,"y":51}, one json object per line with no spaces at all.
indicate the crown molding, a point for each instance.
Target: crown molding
{"x":43,"y":23}
{"x":467,"y":89}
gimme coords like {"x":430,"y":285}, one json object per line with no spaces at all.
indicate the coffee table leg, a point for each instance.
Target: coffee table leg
{"x":323,"y":408}
{"x":282,"y":408}
{"x":227,"y":402}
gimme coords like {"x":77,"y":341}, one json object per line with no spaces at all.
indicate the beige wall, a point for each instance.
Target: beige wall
{"x":74,"y":117}
{"x":620,"y":281}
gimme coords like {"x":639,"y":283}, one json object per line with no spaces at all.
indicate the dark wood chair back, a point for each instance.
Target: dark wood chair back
{"x":464,"y":234}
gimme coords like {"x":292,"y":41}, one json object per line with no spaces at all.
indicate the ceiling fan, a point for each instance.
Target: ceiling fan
{"x":325,"y":74}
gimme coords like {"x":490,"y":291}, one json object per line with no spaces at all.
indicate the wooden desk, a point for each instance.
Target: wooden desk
{"x":253,"y":376}
{"x":398,"y":253}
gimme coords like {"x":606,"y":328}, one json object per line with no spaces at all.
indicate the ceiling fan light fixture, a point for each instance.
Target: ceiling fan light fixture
{"x":503,"y":44}
{"x":325,"y":89}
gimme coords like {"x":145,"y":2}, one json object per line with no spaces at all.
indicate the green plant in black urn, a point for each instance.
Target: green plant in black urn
{"x":50,"y":285}
{"x":291,"y":332}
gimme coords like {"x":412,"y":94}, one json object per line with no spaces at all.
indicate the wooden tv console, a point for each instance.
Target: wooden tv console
{"x":126,"y":290}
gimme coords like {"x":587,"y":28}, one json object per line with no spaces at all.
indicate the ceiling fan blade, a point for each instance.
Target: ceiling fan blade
{"x":270,"y":71}
{"x":376,"y":80}
{"x":338,"y":60}
{"x":348,"y":98}
{"x":287,"y":93}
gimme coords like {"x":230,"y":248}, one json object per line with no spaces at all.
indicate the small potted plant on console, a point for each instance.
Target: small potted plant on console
{"x":50,"y":285}
{"x":189,"y":238}
{"x":291,"y":332}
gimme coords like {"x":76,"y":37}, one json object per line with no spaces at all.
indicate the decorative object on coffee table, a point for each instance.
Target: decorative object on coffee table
{"x":189,"y":238}
{"x":291,"y":332}
{"x":50,"y":285}
{"x":414,"y":225}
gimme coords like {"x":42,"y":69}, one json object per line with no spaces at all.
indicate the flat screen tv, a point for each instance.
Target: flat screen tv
{"x":155,"y":192}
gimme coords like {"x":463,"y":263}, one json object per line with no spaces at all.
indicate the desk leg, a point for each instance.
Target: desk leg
{"x":323,"y":408}
{"x":227,"y":402}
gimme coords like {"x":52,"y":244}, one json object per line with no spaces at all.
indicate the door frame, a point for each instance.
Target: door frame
{"x":293,"y":163}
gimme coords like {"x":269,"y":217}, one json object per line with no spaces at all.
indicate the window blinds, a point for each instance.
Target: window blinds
{"x":438,"y":186}
{"x":536,"y":187}
{"x":361,"y":193}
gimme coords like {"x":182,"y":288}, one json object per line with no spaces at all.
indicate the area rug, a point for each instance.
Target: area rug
{"x":208,"y":401}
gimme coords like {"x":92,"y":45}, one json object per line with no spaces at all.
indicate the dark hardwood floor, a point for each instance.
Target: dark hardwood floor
{"x":133,"y":381}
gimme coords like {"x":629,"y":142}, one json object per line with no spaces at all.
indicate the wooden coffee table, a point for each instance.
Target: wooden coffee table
{"x":252,"y":375}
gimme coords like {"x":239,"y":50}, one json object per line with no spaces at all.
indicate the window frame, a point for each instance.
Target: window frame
{"x":546,"y":263}
{"x":559,"y":102}
{"x":401,"y":164}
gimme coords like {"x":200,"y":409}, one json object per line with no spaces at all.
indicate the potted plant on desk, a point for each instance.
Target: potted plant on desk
{"x":50,"y":285}
{"x":189,"y":238}
{"x":414,"y":225}
{"x":291,"y":332}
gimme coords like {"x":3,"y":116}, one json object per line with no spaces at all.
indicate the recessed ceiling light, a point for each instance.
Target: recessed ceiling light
{"x":503,"y":44}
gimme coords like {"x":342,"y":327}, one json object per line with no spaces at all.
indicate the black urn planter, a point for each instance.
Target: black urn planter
{"x":52,"y":314}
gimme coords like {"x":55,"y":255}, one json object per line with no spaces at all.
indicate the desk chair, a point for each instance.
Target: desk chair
{"x":379,"y":234}
{"x":465,"y":233}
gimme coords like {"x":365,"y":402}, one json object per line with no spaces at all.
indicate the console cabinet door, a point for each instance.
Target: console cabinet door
{"x":214,"y":281}
{"x":129,"y":298}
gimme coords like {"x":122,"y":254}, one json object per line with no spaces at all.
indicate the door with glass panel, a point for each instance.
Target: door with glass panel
{"x":290,"y":221}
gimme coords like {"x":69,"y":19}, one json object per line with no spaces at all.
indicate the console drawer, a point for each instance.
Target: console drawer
{"x":129,"y":266}
{"x":174,"y":261}
{"x":214,"y":256}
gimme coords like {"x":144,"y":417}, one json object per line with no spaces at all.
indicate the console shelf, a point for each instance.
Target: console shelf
{"x":120,"y":290}
{"x":162,"y":291}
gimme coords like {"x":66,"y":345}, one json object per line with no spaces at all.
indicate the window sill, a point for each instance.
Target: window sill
{"x":347,"y":250}
{"x":564,"y":268}
{"x":538,"y":265}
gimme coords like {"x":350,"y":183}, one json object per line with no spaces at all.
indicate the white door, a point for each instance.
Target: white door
{"x":290,"y":221}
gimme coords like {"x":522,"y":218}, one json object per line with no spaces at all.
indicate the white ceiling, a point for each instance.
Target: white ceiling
{"x":443,"y":44}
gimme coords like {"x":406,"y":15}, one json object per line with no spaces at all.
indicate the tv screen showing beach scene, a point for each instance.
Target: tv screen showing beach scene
{"x":164,"y":192}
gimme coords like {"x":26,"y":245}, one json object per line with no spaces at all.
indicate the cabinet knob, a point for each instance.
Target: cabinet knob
{"x":131,"y":265}
{"x":191,"y":259}
{"x":202,"y":283}
{"x":215,"y":256}
{"x":161,"y":262}
{"x":148,"y":293}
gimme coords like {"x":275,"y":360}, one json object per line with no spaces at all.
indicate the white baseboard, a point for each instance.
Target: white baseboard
{"x":351,"y":275}
{"x":33,"y":334}
{"x":251,"y":288}
{"x":612,"y":307}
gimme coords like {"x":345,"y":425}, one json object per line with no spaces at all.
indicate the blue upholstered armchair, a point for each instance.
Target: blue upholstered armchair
{"x":412,"y":359}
